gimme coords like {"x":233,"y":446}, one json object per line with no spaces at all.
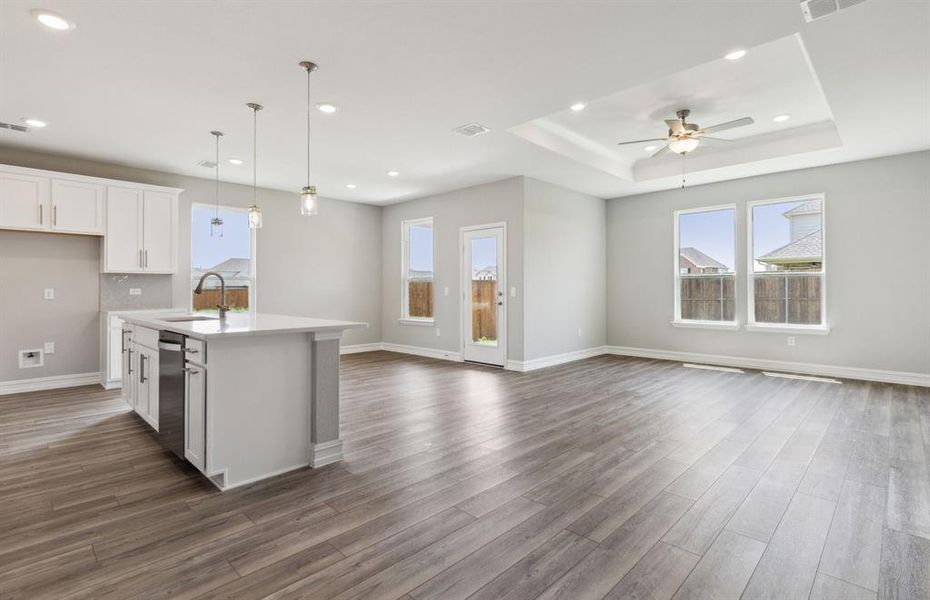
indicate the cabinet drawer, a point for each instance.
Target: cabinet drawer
{"x":196,"y":351}
{"x":146,"y":337}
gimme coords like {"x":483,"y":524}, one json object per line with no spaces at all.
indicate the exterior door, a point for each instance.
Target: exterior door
{"x":484,"y":286}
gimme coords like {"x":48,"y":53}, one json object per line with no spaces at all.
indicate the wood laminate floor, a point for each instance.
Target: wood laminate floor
{"x":604,"y":478}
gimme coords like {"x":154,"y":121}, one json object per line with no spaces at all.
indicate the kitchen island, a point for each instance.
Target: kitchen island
{"x":260,"y":392}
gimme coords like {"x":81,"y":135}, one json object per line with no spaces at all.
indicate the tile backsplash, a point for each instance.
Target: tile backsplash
{"x":115,"y":292}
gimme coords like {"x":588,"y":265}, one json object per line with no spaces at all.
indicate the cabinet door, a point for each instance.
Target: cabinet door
{"x":123,"y":240}
{"x":151,"y":380}
{"x":160,"y":232}
{"x":128,"y":370}
{"x":142,"y":383}
{"x":24,"y":201}
{"x":77,"y":207}
{"x":195,"y":416}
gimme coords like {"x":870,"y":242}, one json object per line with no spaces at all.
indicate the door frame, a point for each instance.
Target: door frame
{"x":501,"y":282}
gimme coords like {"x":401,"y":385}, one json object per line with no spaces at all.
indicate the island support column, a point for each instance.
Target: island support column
{"x":325,"y":445}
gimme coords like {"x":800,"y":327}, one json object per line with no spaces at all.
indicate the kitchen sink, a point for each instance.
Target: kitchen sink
{"x":189,"y":318}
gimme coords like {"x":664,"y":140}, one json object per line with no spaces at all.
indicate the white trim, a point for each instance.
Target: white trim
{"x":804,"y":377}
{"x":325,"y":453}
{"x":421,"y":351}
{"x":357,"y":348}
{"x":405,"y":267}
{"x":422,"y":322}
{"x":712,"y":368}
{"x":676,"y":258}
{"x":900,"y":377}
{"x":88,"y":179}
{"x":52,"y":382}
{"x":724,"y":325}
{"x":751,"y":259}
{"x":224,"y":473}
{"x":555,"y":359}
{"x":788,"y":328}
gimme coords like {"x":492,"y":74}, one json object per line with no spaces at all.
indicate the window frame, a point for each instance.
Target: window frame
{"x":405,"y":318}
{"x":253,"y":258}
{"x":677,"y":321}
{"x":823,"y":327}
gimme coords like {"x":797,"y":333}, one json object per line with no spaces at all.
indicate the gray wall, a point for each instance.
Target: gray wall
{"x":70,"y":264}
{"x":564,"y":270}
{"x":327,"y":266}
{"x":878,"y":290}
{"x":487,"y":203}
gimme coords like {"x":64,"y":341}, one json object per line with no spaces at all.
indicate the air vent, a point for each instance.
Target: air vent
{"x":471,"y":130}
{"x":815,"y":9}
{"x":207,"y":164}
{"x":21,"y":128}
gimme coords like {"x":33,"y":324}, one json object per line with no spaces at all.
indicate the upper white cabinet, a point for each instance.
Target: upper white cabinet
{"x":24,"y":201}
{"x":138,"y":222}
{"x":77,"y":207}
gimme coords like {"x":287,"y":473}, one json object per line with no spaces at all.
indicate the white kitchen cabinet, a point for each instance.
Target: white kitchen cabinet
{"x":77,"y":207}
{"x":141,"y":231}
{"x":145,"y":384}
{"x":24,"y":201}
{"x":195,"y":415}
{"x":128,"y":390}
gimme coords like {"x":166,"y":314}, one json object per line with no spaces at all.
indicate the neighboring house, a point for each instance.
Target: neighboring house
{"x":235,"y":271}
{"x":805,"y":250}
{"x":485,"y":274}
{"x":415,"y":275}
{"x":693,"y":261}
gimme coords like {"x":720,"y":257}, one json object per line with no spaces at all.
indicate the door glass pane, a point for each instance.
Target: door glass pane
{"x":484,"y":291}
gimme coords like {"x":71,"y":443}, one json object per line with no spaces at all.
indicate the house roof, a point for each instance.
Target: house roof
{"x":805,"y":208}
{"x":700,"y":260}
{"x":236,"y":266}
{"x":808,"y":247}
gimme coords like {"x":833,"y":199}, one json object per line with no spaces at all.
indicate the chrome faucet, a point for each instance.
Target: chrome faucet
{"x":224,"y":308}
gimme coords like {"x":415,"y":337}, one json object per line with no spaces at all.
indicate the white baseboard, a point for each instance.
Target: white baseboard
{"x":420,"y":351}
{"x":325,"y":453}
{"x":356,"y":348}
{"x":555,"y":359}
{"x":901,"y":377}
{"x":53,"y":382}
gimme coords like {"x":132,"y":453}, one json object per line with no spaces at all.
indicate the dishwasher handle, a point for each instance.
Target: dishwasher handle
{"x":169,"y":346}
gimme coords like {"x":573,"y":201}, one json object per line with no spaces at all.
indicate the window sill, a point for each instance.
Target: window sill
{"x":790,"y":329}
{"x":720,"y":325}
{"x":418,"y":322}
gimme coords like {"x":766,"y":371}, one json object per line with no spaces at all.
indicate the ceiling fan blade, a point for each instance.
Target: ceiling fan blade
{"x":641,"y":141}
{"x":729,"y":125}
{"x":661,"y":151}
{"x":675,"y":125}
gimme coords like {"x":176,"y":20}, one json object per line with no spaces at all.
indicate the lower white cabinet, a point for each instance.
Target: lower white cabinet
{"x":195,"y":415}
{"x":140,"y":383}
{"x":126,"y":365}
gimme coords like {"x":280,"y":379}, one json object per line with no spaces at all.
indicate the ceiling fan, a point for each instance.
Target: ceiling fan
{"x":683,"y":137}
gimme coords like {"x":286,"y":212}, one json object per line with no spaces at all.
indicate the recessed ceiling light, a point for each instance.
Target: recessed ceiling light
{"x":736,"y":55}
{"x":649,"y":148}
{"x":52,"y":20}
{"x":235,"y":161}
{"x":577,"y":106}
{"x":351,"y":186}
{"x":34,"y":122}
{"x":326,"y":107}
{"x":393,"y":173}
{"x":781,"y":118}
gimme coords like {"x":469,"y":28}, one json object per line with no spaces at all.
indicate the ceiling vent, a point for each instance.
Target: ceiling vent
{"x":471,"y":130}
{"x":207,"y":164}
{"x":21,"y":128}
{"x":815,"y":9}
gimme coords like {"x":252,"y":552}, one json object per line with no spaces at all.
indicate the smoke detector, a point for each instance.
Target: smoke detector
{"x":816,"y":9}
{"x":471,"y":130}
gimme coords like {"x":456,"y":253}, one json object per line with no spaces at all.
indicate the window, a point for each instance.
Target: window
{"x":705,"y":278}
{"x":232,"y":256}
{"x":786,"y":284}
{"x":418,"y":271}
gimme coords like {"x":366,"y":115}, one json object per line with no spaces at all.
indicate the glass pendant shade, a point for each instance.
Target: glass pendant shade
{"x":309,"y":203}
{"x":216,"y":227}
{"x":683,"y":145}
{"x":255,"y":217}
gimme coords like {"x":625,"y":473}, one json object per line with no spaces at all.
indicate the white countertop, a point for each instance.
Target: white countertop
{"x":238,"y":324}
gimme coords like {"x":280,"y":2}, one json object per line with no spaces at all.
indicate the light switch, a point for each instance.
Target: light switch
{"x":135,"y":291}
{"x":49,"y":293}
{"x":513,"y":292}
{"x":50,"y":347}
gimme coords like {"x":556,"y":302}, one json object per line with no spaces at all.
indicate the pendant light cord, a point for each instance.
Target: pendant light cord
{"x":216,"y":214}
{"x":254,"y":156}
{"x":308,"y":127}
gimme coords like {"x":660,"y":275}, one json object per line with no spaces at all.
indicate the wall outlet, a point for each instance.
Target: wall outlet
{"x":135,"y":291}
{"x":791,"y":340}
{"x":437,"y":332}
{"x":49,"y":294}
{"x":513,"y":292}
{"x":50,"y":347}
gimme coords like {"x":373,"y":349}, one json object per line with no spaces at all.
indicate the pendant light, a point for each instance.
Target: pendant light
{"x":216,"y":223}
{"x":309,"y":203}
{"x":255,"y":213}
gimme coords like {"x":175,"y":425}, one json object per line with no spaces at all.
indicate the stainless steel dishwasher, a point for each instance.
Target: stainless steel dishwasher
{"x":171,"y":391}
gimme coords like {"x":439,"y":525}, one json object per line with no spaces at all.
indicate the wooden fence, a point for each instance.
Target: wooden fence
{"x":483,"y":302}
{"x":236,"y":298}
{"x":708,"y":297}
{"x":779,"y":297}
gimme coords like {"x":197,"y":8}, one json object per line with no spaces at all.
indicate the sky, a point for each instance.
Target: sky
{"x":712,"y":232}
{"x":483,"y":250}
{"x":209,"y":251}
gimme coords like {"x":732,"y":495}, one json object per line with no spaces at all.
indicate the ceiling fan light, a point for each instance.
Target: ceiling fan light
{"x":309,"y":203}
{"x":683,"y":145}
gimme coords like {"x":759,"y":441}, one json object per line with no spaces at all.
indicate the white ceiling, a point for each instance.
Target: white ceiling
{"x":142,"y":84}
